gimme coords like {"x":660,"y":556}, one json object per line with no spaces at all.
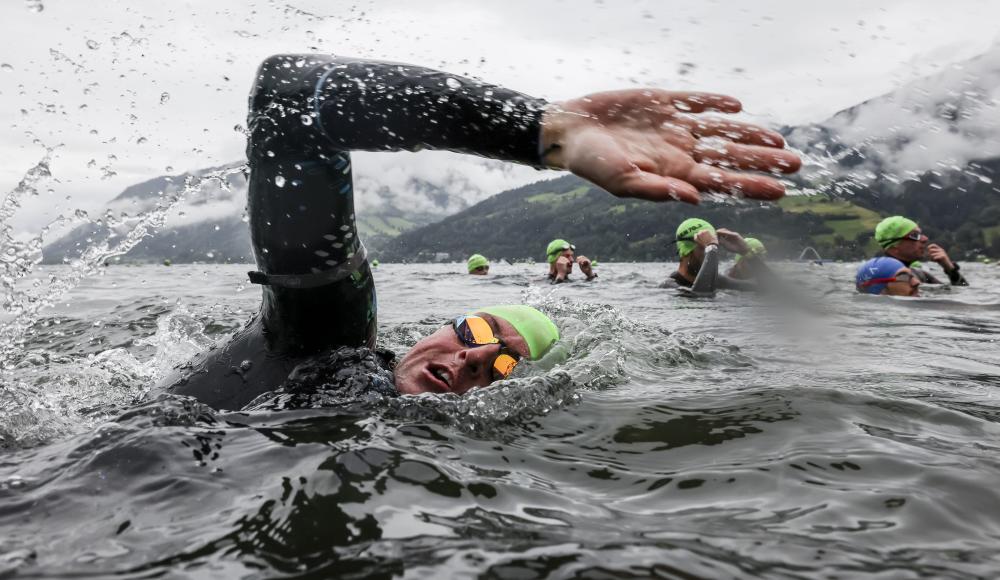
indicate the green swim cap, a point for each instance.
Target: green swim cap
{"x":477,"y":261}
{"x":916,"y":264}
{"x":374,"y":263}
{"x":537,"y":329}
{"x":889,"y":231}
{"x":686,"y":232}
{"x":756,"y":248}
{"x":554,"y":248}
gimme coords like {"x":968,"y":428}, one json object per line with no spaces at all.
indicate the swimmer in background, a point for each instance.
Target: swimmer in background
{"x":885,"y":275}
{"x":746,"y":269}
{"x":698,"y":249}
{"x":315,"y":332}
{"x":902,"y":239}
{"x":478,"y":265}
{"x":559,"y":254}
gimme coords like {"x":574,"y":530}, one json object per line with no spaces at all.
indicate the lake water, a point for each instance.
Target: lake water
{"x":816,"y":434}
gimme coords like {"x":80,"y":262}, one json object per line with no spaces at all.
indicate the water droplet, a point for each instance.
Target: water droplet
{"x":270,"y":153}
{"x":216,"y":227}
{"x":453,"y":83}
{"x":34,"y":5}
{"x":140,"y":140}
{"x":306,"y":120}
{"x":6,"y":67}
{"x":239,"y":129}
{"x":93,"y":45}
{"x":279,"y":180}
{"x":209,"y":255}
{"x":168,"y":168}
{"x":164,"y":97}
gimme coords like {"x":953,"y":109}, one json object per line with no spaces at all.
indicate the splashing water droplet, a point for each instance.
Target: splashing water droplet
{"x":169,"y":168}
{"x":164,"y":97}
{"x":279,"y":180}
{"x":306,"y":120}
{"x":34,"y":5}
{"x":140,"y":140}
{"x":6,"y":67}
{"x":453,"y":83}
{"x":93,"y":45}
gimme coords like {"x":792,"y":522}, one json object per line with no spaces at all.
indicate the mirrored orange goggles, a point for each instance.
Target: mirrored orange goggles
{"x":474,"y":331}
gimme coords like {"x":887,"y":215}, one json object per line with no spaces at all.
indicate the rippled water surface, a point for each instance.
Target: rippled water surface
{"x":815,"y":434}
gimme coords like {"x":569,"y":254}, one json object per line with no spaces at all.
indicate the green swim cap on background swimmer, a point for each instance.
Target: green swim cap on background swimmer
{"x":555,"y":247}
{"x":537,"y":329}
{"x":686,"y":232}
{"x":891,"y":230}
{"x":477,"y":261}
{"x":756,"y":248}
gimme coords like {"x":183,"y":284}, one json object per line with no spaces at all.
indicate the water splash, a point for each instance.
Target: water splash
{"x":23,"y":305}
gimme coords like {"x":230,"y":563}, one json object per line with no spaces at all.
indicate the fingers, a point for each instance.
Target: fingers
{"x":701,"y":102}
{"x":657,"y":99}
{"x":752,"y":157}
{"x":707,"y":178}
{"x":652,"y":187}
{"x":735,"y":131}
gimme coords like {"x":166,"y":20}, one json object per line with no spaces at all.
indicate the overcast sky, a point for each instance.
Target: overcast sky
{"x":126,"y":90}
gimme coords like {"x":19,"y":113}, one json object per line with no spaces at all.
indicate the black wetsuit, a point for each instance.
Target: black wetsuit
{"x":954,"y":276}
{"x":306,"y":113}
{"x":708,"y":279}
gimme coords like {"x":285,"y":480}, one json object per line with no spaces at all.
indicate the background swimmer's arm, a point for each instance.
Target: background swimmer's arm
{"x":704,"y":283}
{"x":956,"y":277}
{"x":730,"y":283}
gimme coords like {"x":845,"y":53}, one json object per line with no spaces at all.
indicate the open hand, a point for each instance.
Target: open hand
{"x":732,"y":241}
{"x":651,"y":144}
{"x":706,"y":238}
{"x":937,"y":253}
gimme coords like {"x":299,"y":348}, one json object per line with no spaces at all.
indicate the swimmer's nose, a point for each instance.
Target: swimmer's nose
{"x":475,"y":364}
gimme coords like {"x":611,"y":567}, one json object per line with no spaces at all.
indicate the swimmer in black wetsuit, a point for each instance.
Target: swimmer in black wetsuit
{"x":902,"y":239}
{"x":698,"y":271}
{"x":317,"y":320}
{"x":559,"y":255}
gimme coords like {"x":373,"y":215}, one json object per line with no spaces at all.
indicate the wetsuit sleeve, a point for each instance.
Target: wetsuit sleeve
{"x":306,"y":113}
{"x":956,"y":278}
{"x":925,"y":276}
{"x":729,"y":283}
{"x":705,"y":281}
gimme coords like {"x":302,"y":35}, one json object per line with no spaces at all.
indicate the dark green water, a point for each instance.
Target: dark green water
{"x":817,"y":435}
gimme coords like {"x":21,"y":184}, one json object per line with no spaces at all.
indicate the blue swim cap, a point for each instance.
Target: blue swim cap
{"x":881,"y":268}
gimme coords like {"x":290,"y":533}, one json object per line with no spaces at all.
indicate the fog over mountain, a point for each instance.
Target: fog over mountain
{"x":937,"y":123}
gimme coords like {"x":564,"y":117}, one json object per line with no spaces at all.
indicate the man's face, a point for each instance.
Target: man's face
{"x":695,"y":259}
{"x":480,"y":271}
{"x":905,"y":284}
{"x":441,"y":363}
{"x":910,"y":249}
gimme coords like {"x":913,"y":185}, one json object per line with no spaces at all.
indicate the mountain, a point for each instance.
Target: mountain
{"x":207,"y":223}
